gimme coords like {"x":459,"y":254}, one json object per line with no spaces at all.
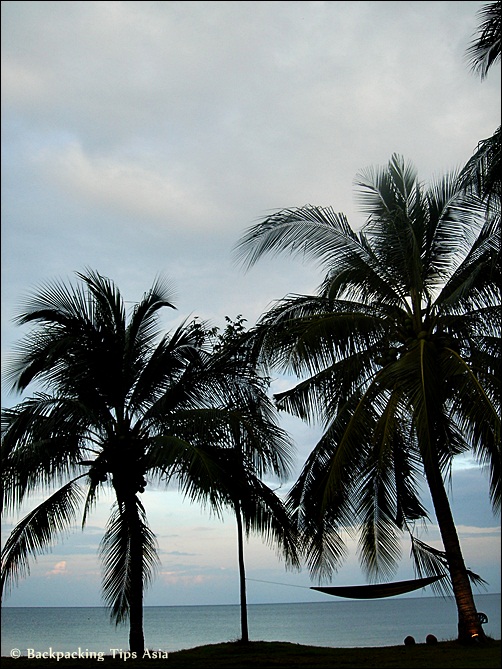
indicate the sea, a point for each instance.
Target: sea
{"x":27,"y":631}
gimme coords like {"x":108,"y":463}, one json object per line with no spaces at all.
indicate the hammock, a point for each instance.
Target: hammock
{"x":378,"y":589}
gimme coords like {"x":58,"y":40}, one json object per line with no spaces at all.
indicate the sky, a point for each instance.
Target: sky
{"x":145,"y":138}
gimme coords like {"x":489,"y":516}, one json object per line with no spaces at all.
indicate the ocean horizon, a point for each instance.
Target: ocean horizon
{"x":333,"y":623}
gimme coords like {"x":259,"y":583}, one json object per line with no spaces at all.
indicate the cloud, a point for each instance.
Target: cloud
{"x":477,"y":532}
{"x":58,"y":569}
{"x":184,"y":580}
{"x":127,"y":188}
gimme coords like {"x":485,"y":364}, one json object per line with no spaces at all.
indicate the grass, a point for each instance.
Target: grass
{"x":280,"y":655}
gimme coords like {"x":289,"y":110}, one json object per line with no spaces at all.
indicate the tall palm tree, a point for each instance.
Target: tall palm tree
{"x":250,"y":445}
{"x":117,"y":406}
{"x":257,"y":448}
{"x":398,"y":355}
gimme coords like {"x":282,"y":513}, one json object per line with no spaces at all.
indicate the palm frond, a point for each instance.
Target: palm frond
{"x":192,"y":467}
{"x":36,"y":532}
{"x":484,"y":50}
{"x":43,"y":441}
{"x":116,"y":553}
{"x":60,"y":313}
{"x":268,"y":517}
{"x":306,"y":334}
{"x":143,"y":327}
{"x":430,"y":561}
{"x":312,"y":232}
{"x":321,"y":531}
{"x":106,"y":303}
{"x":481,"y":173}
{"x":475,"y":283}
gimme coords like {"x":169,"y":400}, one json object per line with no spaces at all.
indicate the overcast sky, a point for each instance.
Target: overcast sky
{"x":144,"y":138}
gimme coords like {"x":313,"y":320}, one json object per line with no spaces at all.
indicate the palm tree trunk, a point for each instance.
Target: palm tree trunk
{"x":469,"y":627}
{"x":136,"y":634}
{"x":242,"y":576}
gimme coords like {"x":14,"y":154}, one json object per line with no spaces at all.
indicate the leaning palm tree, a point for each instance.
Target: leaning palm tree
{"x":116,"y":406}
{"x":398,"y":355}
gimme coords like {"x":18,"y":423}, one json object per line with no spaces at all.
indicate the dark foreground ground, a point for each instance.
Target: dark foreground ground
{"x":275,"y":655}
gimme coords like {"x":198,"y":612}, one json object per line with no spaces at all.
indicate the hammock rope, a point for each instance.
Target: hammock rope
{"x":374,"y":591}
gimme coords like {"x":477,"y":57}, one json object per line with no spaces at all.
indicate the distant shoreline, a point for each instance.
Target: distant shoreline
{"x":153,"y":606}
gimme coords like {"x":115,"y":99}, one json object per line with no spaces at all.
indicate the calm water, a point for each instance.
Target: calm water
{"x":343,"y":623}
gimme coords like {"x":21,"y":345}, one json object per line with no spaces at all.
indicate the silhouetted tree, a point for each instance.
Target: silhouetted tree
{"x":400,"y":354}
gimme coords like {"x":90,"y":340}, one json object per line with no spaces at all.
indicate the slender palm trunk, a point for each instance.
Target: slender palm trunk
{"x":136,"y":634}
{"x":242,"y":575}
{"x":469,"y":627}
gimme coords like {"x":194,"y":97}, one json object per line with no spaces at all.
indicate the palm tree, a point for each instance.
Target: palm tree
{"x":244,"y":461}
{"x":399,"y":355}
{"x":249,"y":446}
{"x":113,"y":411}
